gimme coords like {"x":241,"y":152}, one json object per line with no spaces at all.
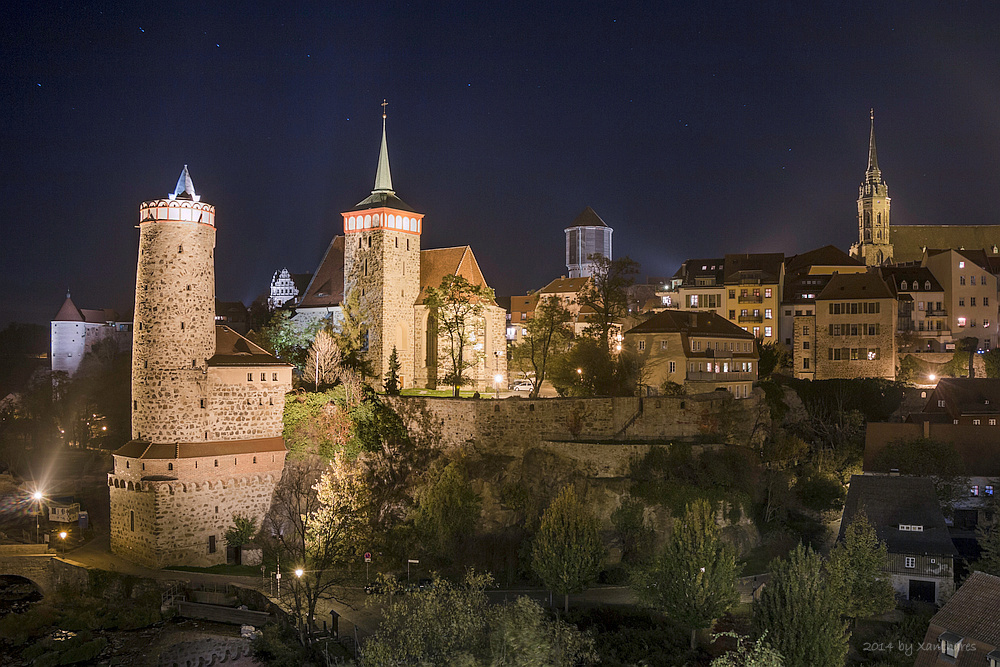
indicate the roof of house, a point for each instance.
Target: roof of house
{"x":910,"y":241}
{"x":435,"y":264}
{"x":701,"y":268}
{"x":523,"y":304}
{"x":890,"y":501}
{"x":768,"y":266}
{"x":967,"y":396}
{"x":978,"y":446}
{"x":916,"y":277}
{"x":326,"y":288}
{"x":826,"y":256}
{"x":972,"y":611}
{"x":855,"y":286}
{"x":142,"y":449}
{"x":68,"y":312}
{"x":692,"y":323}
{"x":232,"y":349}
{"x":564,"y":285}
{"x":587,"y":218}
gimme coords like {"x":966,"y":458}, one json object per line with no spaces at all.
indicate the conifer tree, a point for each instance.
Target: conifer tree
{"x":392,"y":375}
{"x":800,"y":613}
{"x":855,"y":572}
{"x":693,"y":580}
{"x":988,"y":537}
{"x":567,"y":552}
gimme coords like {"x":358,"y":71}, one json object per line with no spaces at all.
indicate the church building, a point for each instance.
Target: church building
{"x":379,"y":258}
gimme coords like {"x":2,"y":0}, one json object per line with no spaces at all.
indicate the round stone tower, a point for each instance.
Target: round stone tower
{"x":174,"y":329}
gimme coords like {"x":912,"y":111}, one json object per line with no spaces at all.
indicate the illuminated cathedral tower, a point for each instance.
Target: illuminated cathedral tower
{"x":873,"y":246}
{"x":206,"y":403}
{"x":382,"y":265}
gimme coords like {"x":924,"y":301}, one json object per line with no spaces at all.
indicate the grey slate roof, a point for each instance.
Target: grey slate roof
{"x":889,"y":501}
{"x":692,"y":323}
{"x":588,"y":218}
{"x":855,"y":286}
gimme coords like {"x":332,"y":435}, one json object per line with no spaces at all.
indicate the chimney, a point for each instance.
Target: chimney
{"x":927,"y":428}
{"x":693,"y":319}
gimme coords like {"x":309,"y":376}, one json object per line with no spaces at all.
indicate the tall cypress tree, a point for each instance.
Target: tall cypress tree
{"x":801,"y":614}
{"x":392,"y":375}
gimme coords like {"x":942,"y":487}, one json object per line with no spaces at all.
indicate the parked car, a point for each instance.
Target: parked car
{"x":522,"y":385}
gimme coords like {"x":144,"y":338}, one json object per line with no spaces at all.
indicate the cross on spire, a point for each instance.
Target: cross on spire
{"x":385,"y":104}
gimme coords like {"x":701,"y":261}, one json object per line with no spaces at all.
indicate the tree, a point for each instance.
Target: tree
{"x":287,"y":340}
{"x":854,"y":570}
{"x":449,"y":625}
{"x":448,"y":508}
{"x":607,"y":293}
{"x":319,"y":521}
{"x":693,"y":580}
{"x":988,"y":537}
{"x":242,"y":531}
{"x":748,"y":653}
{"x":323,"y":361}
{"x":633,"y":532}
{"x":970,"y":344}
{"x":590,"y":369}
{"x":458,"y":307}
{"x":800,"y":613}
{"x":351,"y":335}
{"x":548,"y":330}
{"x":773,"y":357}
{"x":392,"y":376}
{"x":567,"y":551}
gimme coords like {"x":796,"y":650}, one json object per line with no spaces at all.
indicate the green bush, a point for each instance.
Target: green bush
{"x":19,"y":628}
{"x":820,"y":492}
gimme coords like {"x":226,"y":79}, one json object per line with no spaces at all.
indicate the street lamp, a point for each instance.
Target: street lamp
{"x":497,"y":379}
{"x":932,"y":377}
{"x":62,"y":536}
{"x":299,"y":572}
{"x":37,"y":495}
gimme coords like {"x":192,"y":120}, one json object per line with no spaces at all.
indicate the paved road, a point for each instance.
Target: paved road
{"x":359,"y":613}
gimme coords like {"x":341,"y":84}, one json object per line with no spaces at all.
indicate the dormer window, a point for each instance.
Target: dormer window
{"x":950,"y":644}
{"x":993,"y":657}
{"x":927,"y":284}
{"x":903,"y":286}
{"x":911,"y":528}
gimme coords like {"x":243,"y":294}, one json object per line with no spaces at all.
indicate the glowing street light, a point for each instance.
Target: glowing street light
{"x":497,"y":379}
{"x":37,"y":495}
{"x":299,"y":572}
{"x":932,"y":377}
{"x":62,"y":536}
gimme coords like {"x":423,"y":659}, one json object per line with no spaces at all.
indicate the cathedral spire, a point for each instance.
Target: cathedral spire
{"x":874,"y":173}
{"x":185,"y":187}
{"x":383,"y":179}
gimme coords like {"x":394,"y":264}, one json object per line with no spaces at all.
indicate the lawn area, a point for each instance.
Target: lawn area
{"x":235,"y":570}
{"x":441,"y":393}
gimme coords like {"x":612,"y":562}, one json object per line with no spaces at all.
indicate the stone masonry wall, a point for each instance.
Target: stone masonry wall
{"x":175,"y":518}
{"x":133,"y":521}
{"x":245,"y":409}
{"x":174,"y":329}
{"x":514,"y":423}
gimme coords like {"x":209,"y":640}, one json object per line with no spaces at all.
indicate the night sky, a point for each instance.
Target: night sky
{"x":693,"y":128}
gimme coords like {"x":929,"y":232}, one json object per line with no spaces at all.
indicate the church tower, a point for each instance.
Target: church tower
{"x":382,"y":265}
{"x":873,"y":246}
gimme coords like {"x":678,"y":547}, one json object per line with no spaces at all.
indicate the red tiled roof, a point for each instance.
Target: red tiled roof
{"x":436,"y":263}
{"x":327,"y":285}
{"x":141,"y":449}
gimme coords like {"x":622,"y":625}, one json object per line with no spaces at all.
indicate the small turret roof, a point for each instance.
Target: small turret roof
{"x":68,"y":312}
{"x":185,"y":187}
{"x":588,"y":218}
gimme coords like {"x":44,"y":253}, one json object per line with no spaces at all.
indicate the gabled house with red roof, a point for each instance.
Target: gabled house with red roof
{"x":966,"y":630}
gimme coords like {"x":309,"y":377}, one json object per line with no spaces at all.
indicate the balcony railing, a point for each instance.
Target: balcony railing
{"x":731,"y":376}
{"x":751,"y":298}
{"x":750,"y":318}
